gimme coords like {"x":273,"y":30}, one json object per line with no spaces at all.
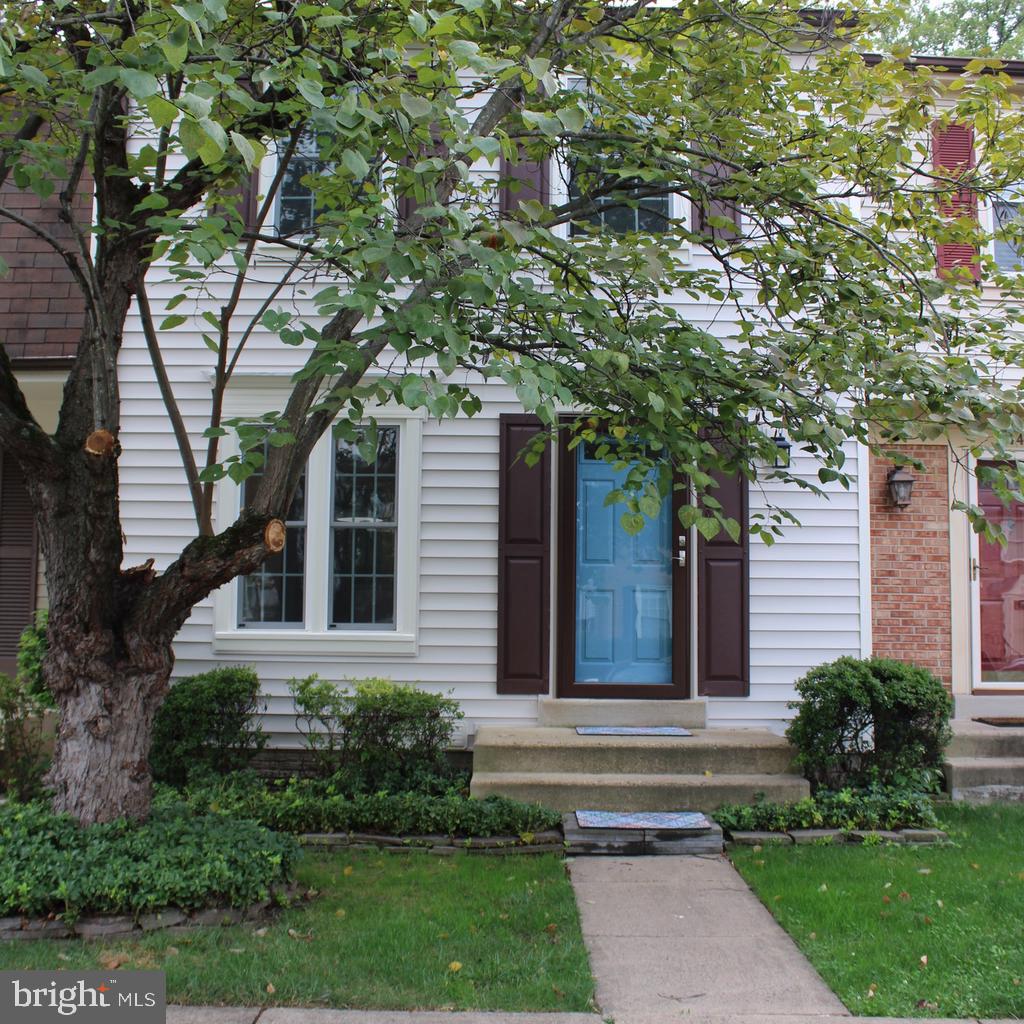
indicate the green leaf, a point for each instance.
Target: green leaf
{"x":419,"y":24}
{"x":355,"y":163}
{"x":141,"y":84}
{"x":244,"y":147}
{"x":33,"y":75}
{"x":311,"y":91}
{"x":161,"y":111}
{"x":173,"y":321}
{"x":415,"y":106}
{"x":101,"y":76}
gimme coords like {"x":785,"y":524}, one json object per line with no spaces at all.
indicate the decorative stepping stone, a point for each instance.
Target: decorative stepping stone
{"x":661,"y":821}
{"x":632,"y":730}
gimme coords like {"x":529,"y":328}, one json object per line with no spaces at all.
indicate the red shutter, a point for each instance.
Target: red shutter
{"x":17,"y":561}
{"x":953,"y":155}
{"x":524,"y":560}
{"x":523,"y":181}
{"x":723,"y":601}
{"x":716,"y":207}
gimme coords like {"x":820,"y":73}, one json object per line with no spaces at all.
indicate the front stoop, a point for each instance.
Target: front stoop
{"x":985,"y":763}
{"x":556,"y":767}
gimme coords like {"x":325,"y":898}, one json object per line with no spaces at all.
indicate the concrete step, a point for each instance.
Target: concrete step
{"x":570,"y":791}
{"x":969,"y":772}
{"x":691,"y":714}
{"x":997,"y":705}
{"x":975,"y":739}
{"x":549,"y":749}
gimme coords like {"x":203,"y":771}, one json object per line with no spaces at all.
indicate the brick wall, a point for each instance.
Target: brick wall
{"x":41,"y":309}
{"x":910,"y":582}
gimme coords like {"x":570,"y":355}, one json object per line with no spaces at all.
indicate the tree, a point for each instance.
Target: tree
{"x":839,"y":327}
{"x":959,"y":28}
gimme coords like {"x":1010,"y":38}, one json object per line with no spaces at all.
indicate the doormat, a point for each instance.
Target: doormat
{"x":1005,"y":723}
{"x":632,"y":730}
{"x":676,"y":821}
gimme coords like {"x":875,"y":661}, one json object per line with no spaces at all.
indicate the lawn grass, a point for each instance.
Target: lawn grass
{"x":868,"y":917}
{"x":385,"y":932}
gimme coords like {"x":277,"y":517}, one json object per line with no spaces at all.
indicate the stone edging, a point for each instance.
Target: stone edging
{"x":103,"y":926}
{"x":439,"y":845}
{"x":837,"y":836}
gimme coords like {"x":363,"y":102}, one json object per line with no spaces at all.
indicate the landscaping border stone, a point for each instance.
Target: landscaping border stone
{"x":439,"y":845}
{"x":838,"y":837}
{"x":105,"y":926}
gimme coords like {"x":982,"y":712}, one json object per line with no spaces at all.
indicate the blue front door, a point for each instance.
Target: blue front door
{"x":623,"y":605}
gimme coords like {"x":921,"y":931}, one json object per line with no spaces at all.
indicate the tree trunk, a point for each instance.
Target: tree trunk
{"x":101,"y":760}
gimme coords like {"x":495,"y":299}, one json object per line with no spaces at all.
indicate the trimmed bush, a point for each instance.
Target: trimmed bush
{"x":312,"y":805}
{"x":52,"y":865}
{"x":206,"y":725}
{"x":877,"y":808}
{"x":380,"y":734}
{"x":870,"y":722}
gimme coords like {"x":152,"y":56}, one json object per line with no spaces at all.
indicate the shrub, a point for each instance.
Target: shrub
{"x":872,"y":721}
{"x":206,"y":725}
{"x":23,"y":748}
{"x":384,"y":735}
{"x":31,"y":651}
{"x":313,"y":805}
{"x":875,"y":808}
{"x":52,"y":865}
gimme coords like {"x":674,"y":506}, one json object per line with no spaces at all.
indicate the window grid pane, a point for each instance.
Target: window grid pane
{"x":364,"y":534}
{"x":650,"y":215}
{"x":296,"y":202}
{"x":275,"y":593}
{"x":1008,"y":256}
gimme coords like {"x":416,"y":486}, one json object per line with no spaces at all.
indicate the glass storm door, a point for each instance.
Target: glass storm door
{"x":622,"y":591}
{"x":1001,"y":587}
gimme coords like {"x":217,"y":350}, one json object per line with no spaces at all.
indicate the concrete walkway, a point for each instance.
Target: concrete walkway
{"x":675,"y":938}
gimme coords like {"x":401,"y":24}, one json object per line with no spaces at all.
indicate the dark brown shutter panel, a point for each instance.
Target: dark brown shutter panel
{"x":723,"y":600}
{"x":17,"y":561}
{"x":953,"y":155}
{"x":716,"y":207}
{"x":407,"y":202}
{"x":531,"y":181}
{"x":524,"y":560}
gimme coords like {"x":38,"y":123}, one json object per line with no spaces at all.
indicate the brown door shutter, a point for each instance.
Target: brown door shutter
{"x":953,"y":155}
{"x":723,"y":600}
{"x":524,"y":560}
{"x":17,"y":561}
{"x":523,"y":181}
{"x":716,"y":207}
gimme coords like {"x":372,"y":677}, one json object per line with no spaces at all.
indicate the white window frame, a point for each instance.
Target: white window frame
{"x":987,"y":215}
{"x":313,"y":636}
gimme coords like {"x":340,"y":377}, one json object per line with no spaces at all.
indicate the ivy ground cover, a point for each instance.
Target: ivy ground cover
{"x":382,"y":932}
{"x":907,"y":931}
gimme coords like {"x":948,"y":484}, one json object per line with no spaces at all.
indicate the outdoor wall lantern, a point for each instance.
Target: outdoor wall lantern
{"x":900,"y":483}
{"x":783,"y":448}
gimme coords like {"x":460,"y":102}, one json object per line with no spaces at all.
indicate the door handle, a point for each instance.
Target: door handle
{"x":681,"y":553}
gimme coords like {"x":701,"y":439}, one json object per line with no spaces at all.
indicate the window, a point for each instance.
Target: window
{"x":649,"y":215}
{"x":347,"y":579}
{"x":274,"y":593}
{"x":363,"y":534}
{"x":1006,"y":212}
{"x":296,"y":204}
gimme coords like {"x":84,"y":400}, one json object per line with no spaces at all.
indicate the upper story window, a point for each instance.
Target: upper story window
{"x":1005,"y":211}
{"x":649,"y":214}
{"x":296,"y":205}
